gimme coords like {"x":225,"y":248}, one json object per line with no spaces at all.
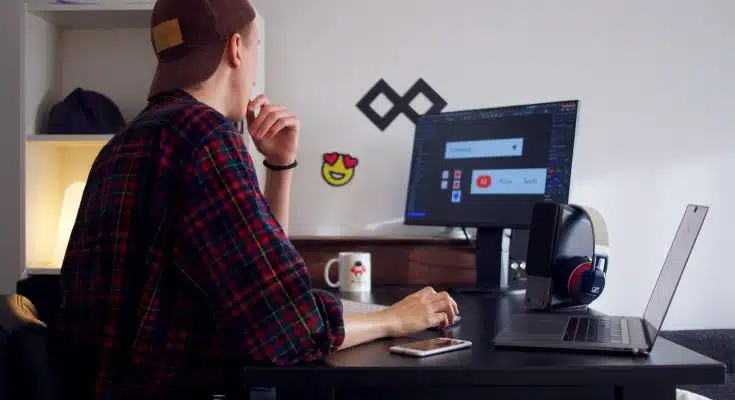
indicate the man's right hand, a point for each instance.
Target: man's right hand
{"x":421,"y":310}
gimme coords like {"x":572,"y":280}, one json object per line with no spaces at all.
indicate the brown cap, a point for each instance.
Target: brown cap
{"x":189,"y":38}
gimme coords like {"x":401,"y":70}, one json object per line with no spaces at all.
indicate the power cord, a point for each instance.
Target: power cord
{"x":472,"y":242}
{"x":467,"y":236}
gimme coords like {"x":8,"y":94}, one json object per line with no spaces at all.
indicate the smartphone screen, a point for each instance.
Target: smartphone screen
{"x":432,"y":344}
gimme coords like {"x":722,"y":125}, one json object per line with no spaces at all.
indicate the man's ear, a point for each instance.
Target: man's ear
{"x":233,"y":50}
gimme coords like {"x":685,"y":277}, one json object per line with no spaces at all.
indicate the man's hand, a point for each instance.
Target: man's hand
{"x":275,"y":131}
{"x":421,"y":310}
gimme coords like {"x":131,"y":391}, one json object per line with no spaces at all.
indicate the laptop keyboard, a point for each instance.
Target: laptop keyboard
{"x":594,"y":330}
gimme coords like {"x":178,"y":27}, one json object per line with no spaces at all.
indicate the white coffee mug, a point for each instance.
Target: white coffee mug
{"x":354,"y":272}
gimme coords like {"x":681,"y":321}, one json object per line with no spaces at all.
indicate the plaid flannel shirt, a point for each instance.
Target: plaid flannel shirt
{"x":176,"y":268}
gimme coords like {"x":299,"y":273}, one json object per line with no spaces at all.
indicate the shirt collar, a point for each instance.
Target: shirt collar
{"x":174,"y":94}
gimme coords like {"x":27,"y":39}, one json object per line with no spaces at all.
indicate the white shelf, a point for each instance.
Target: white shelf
{"x":95,"y":16}
{"x":42,"y":270}
{"x":100,"y":47}
{"x":69,"y":139}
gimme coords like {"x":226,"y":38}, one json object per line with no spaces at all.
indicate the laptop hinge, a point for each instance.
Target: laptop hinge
{"x":645,"y":334}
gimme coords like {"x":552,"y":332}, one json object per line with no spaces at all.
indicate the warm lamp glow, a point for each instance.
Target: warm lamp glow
{"x":69,"y":209}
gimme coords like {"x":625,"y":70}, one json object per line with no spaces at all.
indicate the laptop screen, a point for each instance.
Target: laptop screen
{"x":673,"y":269}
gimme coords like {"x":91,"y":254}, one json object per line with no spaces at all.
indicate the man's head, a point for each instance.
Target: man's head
{"x":209,"y":47}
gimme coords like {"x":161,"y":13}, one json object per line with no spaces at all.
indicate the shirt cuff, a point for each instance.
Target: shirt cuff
{"x":330,"y":307}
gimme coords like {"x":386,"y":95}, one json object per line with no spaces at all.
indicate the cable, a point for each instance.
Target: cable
{"x":467,"y":236}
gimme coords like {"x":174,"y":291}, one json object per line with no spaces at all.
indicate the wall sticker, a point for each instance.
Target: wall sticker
{"x":338,"y":169}
{"x":401,"y":104}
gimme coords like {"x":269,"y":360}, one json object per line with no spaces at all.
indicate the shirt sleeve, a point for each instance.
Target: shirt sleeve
{"x":238,"y":255}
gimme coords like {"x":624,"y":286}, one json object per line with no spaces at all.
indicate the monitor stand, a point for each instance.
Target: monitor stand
{"x":491,"y":275}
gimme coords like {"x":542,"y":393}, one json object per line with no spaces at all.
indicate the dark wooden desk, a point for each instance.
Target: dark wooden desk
{"x":484,"y":371}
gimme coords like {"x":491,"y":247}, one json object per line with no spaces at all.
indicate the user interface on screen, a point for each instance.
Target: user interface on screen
{"x":489,"y":167}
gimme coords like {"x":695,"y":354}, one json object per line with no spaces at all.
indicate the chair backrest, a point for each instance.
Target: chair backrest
{"x":31,"y":372}
{"x":4,"y":388}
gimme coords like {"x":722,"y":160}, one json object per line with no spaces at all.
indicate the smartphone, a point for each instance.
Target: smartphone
{"x":430,"y":347}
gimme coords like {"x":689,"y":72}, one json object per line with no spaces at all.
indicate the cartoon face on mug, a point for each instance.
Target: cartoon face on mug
{"x":358,"y":272}
{"x":338,"y":169}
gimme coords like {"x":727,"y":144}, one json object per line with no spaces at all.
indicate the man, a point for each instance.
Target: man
{"x":179,"y":270}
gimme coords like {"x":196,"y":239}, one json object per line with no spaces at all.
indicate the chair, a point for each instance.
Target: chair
{"x":4,"y":389}
{"x":25,"y":361}
{"x":36,"y":376}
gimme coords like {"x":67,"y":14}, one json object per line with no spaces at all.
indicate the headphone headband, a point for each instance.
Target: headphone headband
{"x":601,"y":251}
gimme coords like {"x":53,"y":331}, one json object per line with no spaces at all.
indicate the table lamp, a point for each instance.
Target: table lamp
{"x":69,"y":209}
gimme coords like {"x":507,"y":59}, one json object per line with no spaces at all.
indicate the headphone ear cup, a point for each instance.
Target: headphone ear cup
{"x":563,"y":269}
{"x":591,"y":286}
{"x":572,"y":278}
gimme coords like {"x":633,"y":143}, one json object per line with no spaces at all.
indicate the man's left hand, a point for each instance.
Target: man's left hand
{"x":275,"y":131}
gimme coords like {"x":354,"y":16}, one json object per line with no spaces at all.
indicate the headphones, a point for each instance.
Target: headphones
{"x":577,"y":279}
{"x":580,"y":278}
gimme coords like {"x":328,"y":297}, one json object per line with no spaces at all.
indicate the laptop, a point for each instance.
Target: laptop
{"x":611,"y":333}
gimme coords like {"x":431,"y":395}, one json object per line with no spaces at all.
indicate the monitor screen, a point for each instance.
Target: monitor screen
{"x":487,"y":168}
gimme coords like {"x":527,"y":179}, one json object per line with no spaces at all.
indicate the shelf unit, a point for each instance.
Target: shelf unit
{"x":102,"y":47}
{"x":69,"y":140}
{"x":106,"y":15}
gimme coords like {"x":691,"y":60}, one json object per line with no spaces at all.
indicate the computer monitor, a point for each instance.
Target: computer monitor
{"x":487,"y":168}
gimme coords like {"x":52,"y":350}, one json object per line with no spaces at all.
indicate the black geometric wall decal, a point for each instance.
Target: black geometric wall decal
{"x":401,"y":104}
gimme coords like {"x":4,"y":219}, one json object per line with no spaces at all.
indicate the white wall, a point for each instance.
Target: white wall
{"x":11,"y":150}
{"x":656,"y":84}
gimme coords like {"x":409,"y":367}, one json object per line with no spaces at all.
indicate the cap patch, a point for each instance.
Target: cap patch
{"x":167,"y":35}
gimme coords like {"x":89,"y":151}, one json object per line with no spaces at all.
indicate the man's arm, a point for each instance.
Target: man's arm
{"x":363,"y":328}
{"x":278,"y":194}
{"x":240,"y":259}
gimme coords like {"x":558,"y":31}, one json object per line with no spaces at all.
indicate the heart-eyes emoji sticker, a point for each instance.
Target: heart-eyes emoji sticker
{"x":338,"y":168}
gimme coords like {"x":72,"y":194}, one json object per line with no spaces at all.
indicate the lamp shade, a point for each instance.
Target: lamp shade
{"x":69,"y":209}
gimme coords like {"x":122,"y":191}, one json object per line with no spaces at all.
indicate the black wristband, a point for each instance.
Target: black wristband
{"x":280,"y":167}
